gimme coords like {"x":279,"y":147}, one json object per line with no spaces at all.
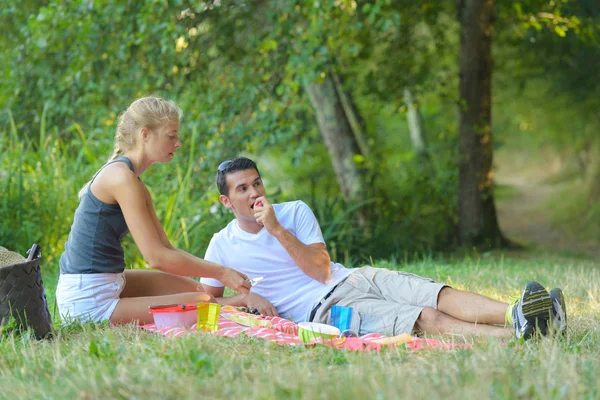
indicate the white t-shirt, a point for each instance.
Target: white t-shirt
{"x":293,"y":293}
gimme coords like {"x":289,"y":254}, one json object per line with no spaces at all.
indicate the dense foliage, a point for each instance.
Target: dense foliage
{"x":239,"y":71}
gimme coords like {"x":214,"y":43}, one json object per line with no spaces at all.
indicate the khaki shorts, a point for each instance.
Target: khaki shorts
{"x":383,"y":301}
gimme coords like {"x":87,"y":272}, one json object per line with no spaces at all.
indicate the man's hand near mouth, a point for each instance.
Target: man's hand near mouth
{"x":265,"y":215}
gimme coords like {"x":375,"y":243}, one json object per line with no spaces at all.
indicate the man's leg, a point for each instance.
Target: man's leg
{"x":381,"y":304}
{"x":405,"y":288}
{"x":471,"y":307}
{"x":530,"y":313}
{"x":435,"y":322}
{"x":448,"y":310}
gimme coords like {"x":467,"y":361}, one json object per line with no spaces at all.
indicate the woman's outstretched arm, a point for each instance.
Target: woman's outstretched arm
{"x":136,"y":205}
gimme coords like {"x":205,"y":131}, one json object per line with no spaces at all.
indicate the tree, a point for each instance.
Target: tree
{"x":292,"y":50}
{"x":415,"y":126}
{"x":338,"y":135}
{"x":478,"y":223}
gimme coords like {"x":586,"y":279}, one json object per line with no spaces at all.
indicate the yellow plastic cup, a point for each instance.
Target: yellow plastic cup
{"x":208,"y":317}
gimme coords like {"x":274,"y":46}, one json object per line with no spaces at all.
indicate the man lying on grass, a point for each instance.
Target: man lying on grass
{"x":283,"y":243}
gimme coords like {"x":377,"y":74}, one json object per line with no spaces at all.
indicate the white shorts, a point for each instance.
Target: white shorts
{"x":88,"y":297}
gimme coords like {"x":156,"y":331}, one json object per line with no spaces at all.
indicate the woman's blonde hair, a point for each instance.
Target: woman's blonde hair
{"x":147,"y":112}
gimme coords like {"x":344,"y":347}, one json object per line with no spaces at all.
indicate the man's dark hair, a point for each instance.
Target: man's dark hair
{"x":233,"y":165}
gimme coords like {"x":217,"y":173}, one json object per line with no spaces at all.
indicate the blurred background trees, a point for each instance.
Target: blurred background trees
{"x":383,"y":115}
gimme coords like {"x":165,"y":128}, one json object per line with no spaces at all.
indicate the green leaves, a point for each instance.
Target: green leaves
{"x":238,"y":70}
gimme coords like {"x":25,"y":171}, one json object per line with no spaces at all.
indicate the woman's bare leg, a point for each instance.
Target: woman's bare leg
{"x":141,"y":283}
{"x":436,"y":322}
{"x":147,"y":288}
{"x":135,"y":309}
{"x":471,"y":307}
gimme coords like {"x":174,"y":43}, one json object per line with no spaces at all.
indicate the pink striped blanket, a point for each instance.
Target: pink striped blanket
{"x":285,"y":332}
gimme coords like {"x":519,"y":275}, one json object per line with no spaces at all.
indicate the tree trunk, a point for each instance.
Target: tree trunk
{"x":418,"y":137}
{"x":415,"y":124}
{"x":354,"y":118}
{"x":594,"y":191}
{"x":478,"y":222}
{"x":338,"y":136}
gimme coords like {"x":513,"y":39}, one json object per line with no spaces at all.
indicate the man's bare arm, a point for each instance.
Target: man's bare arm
{"x":312,"y":259}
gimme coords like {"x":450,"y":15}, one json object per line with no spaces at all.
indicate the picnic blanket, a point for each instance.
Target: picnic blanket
{"x":233,"y":322}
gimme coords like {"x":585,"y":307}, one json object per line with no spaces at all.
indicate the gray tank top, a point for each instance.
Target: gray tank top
{"x":94,"y":243}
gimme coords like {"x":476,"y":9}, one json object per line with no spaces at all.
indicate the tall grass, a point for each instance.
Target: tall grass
{"x":40,"y":177}
{"x":38,"y":181}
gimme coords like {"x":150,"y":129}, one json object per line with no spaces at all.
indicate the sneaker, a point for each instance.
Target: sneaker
{"x":531,"y":312}
{"x":559,"y":311}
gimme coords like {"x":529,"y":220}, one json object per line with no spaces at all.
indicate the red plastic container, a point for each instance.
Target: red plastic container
{"x":174,"y":315}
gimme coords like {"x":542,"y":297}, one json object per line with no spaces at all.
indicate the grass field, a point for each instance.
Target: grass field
{"x":94,"y":362}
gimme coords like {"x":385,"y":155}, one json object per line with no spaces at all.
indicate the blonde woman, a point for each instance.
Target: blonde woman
{"x":93,"y":283}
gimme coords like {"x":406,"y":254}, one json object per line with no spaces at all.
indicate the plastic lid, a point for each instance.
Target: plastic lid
{"x":172,"y":308}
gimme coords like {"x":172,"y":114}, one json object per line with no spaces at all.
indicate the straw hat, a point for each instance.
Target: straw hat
{"x":8,"y":257}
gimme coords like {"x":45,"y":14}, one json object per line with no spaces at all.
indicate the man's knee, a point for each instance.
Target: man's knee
{"x":429,"y":317}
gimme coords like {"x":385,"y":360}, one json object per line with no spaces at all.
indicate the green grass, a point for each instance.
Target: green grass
{"x":100,"y":362}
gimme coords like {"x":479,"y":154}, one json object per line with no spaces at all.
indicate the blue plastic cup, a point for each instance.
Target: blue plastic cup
{"x":340,"y":317}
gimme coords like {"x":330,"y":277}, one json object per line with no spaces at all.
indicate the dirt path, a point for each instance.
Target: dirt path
{"x":526,"y":217}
